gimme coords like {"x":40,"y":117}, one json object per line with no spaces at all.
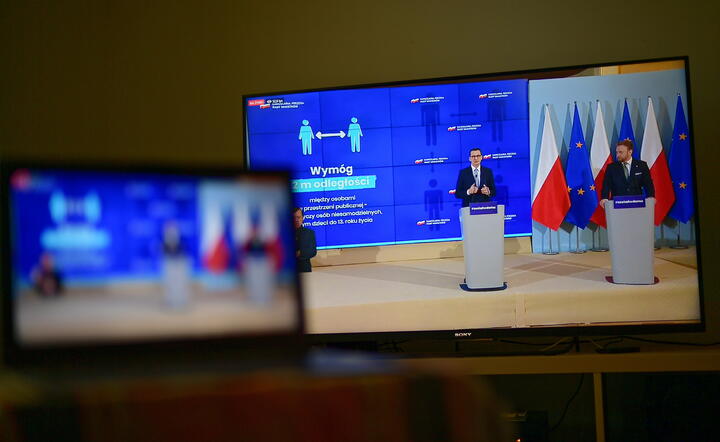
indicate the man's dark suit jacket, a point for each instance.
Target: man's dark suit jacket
{"x":466,"y":180}
{"x":639,"y":179}
{"x":305,"y":243}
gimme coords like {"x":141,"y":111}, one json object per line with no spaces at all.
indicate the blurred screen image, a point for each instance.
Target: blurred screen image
{"x":102,"y":257}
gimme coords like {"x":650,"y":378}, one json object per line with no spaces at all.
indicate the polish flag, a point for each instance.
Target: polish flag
{"x":652,"y":153}
{"x":600,"y":157}
{"x":550,"y":200}
{"x":241,"y":223}
{"x":269,"y":233}
{"x":216,"y":251}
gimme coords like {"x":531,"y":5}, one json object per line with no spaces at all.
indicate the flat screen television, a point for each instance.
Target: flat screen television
{"x":100,"y":261}
{"x":378,"y":166}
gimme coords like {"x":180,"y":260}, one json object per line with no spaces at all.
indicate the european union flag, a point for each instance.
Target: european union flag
{"x":626,"y":133}
{"x":579,"y":177}
{"x":681,"y":168}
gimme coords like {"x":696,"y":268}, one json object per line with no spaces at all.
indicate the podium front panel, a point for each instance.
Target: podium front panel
{"x":484,"y":248}
{"x":631,"y":236}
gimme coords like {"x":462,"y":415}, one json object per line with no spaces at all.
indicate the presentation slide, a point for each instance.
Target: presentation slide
{"x":379,"y":166}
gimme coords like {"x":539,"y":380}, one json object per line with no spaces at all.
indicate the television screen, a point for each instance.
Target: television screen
{"x":544,"y":151}
{"x":128,"y":256}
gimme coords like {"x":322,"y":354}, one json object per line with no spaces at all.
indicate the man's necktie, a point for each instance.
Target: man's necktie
{"x":626,"y":169}
{"x":477,"y":177}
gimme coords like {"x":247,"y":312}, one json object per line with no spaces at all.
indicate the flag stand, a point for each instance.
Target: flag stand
{"x":551,"y":250}
{"x":662,"y":236}
{"x":692,"y":233}
{"x":677,"y":245}
{"x":577,"y":242}
{"x":597,"y":248}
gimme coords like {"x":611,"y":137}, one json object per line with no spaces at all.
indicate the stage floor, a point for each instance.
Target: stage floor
{"x":128,"y":312}
{"x":565,"y":289}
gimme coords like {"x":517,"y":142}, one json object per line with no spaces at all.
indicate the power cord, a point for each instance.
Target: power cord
{"x":557,"y":347}
{"x":658,"y":341}
{"x":603,"y":348}
{"x":608,"y":342}
{"x":567,"y":405}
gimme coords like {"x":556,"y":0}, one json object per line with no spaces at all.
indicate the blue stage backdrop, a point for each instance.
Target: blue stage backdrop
{"x":101,"y":227}
{"x":378,"y":166}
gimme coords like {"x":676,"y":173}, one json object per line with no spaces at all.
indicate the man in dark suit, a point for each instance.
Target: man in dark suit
{"x":475,"y":183}
{"x":626,"y":176}
{"x":305,"y":246}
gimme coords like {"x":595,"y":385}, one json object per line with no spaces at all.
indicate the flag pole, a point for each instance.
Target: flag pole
{"x":603,"y":248}
{"x":693,"y":239}
{"x":677,"y":245}
{"x":577,"y":242}
{"x":598,"y":248}
{"x":550,"y":252}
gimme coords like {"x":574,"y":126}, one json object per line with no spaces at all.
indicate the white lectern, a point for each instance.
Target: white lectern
{"x":631,"y":235}
{"x":483,"y":231}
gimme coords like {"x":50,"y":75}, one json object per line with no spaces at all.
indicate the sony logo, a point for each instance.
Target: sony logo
{"x":462,"y":334}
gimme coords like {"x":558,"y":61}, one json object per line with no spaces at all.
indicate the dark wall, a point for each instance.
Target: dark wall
{"x":162,"y":81}
{"x":661,"y":406}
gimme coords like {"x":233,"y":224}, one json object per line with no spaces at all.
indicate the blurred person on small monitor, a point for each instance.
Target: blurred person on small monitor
{"x":305,"y":245}
{"x":46,"y":279}
{"x":176,"y":267}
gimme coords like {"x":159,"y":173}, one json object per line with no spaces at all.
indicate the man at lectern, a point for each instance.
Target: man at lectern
{"x":475,"y":183}
{"x":627,"y":175}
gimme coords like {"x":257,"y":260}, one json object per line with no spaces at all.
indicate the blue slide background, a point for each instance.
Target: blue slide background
{"x":414,"y":140}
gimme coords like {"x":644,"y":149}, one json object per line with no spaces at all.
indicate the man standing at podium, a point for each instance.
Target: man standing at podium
{"x":627,"y":175}
{"x":475,"y":184}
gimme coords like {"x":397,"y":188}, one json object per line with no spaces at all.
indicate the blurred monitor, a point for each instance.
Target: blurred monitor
{"x":96,"y":258}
